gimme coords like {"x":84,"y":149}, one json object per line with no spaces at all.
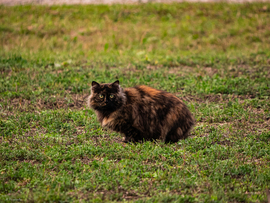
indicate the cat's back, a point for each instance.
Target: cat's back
{"x":146,"y":100}
{"x":157,"y":113}
{"x":145,"y":94}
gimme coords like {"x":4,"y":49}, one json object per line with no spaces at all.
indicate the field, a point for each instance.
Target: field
{"x":216,"y":57}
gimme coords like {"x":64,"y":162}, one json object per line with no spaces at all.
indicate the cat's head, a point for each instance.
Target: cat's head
{"x":106,"y":96}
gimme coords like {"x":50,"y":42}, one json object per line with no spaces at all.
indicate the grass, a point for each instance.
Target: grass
{"x":214,"y":56}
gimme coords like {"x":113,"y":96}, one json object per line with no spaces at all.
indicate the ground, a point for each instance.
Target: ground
{"x":214,"y":56}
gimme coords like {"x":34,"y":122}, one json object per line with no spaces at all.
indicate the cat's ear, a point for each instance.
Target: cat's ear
{"x":116,"y":83}
{"x":94,"y":83}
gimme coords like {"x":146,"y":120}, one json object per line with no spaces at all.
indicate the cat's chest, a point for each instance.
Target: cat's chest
{"x":106,"y":121}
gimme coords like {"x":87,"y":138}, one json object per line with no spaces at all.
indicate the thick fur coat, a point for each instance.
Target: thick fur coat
{"x":141,"y":112}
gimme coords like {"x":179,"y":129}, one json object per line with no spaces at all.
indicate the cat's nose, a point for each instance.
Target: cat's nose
{"x":106,"y":101}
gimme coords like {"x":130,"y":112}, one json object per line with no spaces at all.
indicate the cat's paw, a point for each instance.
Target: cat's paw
{"x":128,"y":139}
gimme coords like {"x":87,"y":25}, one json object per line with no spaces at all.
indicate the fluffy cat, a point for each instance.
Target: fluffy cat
{"x":141,"y":112}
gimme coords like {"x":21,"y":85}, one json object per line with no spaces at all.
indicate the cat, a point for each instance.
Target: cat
{"x":141,"y":113}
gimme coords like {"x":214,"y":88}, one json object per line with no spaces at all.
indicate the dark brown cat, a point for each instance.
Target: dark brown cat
{"x":141,"y":112}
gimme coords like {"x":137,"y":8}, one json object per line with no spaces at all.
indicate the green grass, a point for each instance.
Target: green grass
{"x":214,"y":56}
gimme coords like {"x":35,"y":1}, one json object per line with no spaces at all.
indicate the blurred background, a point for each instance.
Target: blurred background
{"x":14,"y":2}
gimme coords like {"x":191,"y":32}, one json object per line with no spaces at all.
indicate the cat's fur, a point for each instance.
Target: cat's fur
{"x":141,"y":112}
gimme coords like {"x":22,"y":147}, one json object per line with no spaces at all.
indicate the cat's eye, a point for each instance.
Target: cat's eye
{"x":111,"y":96}
{"x":101,"y":96}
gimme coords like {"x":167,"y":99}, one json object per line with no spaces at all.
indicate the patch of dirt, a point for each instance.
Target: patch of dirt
{"x":32,"y":162}
{"x":106,"y":194}
{"x":253,"y":72}
{"x":171,"y":69}
{"x":181,"y":71}
{"x":97,"y":139}
{"x":216,"y":98}
{"x":76,"y":101}
{"x":224,"y":143}
{"x":255,"y":127}
{"x":231,"y":128}
{"x":86,"y":160}
{"x":231,"y":71}
{"x":128,"y":195}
